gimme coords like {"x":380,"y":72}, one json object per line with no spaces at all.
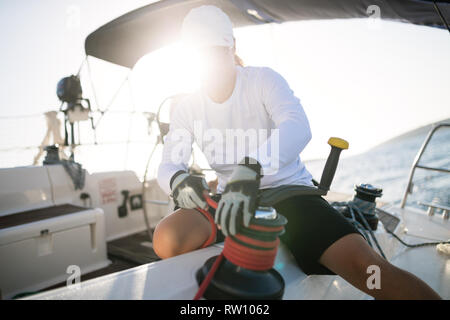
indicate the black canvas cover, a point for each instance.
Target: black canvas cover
{"x":126,"y":39}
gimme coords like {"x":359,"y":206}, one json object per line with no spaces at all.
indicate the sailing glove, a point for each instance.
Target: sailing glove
{"x":187,"y":190}
{"x":238,"y":201}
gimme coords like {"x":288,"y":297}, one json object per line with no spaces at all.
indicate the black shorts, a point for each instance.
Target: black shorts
{"x":313,"y":225}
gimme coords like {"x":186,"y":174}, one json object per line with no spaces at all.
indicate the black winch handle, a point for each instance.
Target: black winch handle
{"x":337,"y":145}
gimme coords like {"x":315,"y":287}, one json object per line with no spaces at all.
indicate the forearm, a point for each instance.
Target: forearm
{"x":292,"y":132}
{"x":284,"y":145}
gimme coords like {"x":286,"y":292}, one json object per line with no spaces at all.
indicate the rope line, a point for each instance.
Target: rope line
{"x":352,"y":208}
{"x":241,"y":250}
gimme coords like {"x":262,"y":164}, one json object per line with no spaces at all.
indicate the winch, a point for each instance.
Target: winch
{"x":244,"y":269}
{"x":365,"y":200}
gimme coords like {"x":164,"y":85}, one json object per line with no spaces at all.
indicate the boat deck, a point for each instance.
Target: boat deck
{"x":136,"y":249}
{"x":427,"y":263}
{"x":145,"y":281}
{"x":124,"y":253}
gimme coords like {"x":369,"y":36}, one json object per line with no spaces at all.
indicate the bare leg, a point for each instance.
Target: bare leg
{"x":350,"y":257}
{"x":182,"y":231}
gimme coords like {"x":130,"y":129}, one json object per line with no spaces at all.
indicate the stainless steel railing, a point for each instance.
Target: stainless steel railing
{"x":415,"y":165}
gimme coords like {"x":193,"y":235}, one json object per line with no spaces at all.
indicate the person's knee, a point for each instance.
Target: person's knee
{"x":166,"y":241}
{"x":182,"y":231}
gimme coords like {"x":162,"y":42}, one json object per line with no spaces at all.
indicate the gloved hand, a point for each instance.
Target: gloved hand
{"x":238,"y":201}
{"x":187,"y":190}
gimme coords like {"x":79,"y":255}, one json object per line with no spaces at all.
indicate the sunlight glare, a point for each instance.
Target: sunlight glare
{"x":170,"y":70}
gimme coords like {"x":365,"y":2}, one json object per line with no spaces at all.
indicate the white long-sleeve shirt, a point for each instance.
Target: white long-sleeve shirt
{"x":262,"y":119}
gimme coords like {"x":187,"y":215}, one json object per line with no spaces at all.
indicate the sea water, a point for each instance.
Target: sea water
{"x":387,"y":166}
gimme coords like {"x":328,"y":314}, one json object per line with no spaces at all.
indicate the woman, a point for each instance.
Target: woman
{"x":245,"y":100}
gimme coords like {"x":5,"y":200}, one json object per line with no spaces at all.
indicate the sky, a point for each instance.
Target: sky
{"x":357,"y":80}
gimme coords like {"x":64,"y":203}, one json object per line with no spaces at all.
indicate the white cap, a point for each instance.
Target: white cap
{"x":207,"y":26}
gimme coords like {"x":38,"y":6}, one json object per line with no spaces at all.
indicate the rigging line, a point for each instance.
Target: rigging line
{"x":112,"y":101}
{"x":417,"y":245}
{"x":130,"y":122}
{"x":92,"y":83}
{"x":367,"y":226}
{"x":126,"y":111}
{"x":81,"y":66}
{"x":19,"y":148}
{"x":81,"y":145}
{"x":144,"y":187}
{"x":441,"y":15}
{"x":21,"y":116}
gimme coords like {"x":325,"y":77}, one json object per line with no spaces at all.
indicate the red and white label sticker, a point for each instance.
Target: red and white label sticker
{"x":108,"y":190}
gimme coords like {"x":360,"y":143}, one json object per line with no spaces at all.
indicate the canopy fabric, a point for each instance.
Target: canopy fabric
{"x":126,"y":39}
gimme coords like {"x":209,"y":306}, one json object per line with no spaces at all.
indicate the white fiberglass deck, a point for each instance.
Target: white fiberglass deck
{"x":426,"y":263}
{"x":174,"y":278}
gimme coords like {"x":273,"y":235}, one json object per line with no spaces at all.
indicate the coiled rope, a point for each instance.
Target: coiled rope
{"x":255,"y":250}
